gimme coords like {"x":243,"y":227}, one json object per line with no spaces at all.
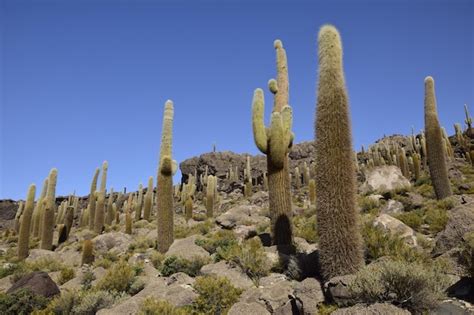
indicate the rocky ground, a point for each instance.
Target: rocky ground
{"x":419,"y":253}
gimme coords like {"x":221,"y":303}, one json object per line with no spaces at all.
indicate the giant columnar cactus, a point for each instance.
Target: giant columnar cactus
{"x":37,"y":214}
{"x":100,"y":207}
{"x":69,"y":219}
{"x":139,"y":203}
{"x":148,"y":204}
{"x":87,"y":252}
{"x":210,"y":195}
{"x":110,"y":211}
{"x":19,"y":213}
{"x":435,"y":144}
{"x":48,"y":212}
{"x":24,"y":237}
{"x":276,"y":142}
{"x":164,"y":196}
{"x":92,"y":199}
{"x":468,"y":120}
{"x":340,"y":242}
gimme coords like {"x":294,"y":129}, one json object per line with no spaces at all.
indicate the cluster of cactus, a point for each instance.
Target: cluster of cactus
{"x":48,"y":211}
{"x":275,"y":142}
{"x":340,"y":241}
{"x":233,"y":174}
{"x":164,"y":195}
{"x":248,"y":187}
{"x":99,"y":216}
{"x":435,"y":144}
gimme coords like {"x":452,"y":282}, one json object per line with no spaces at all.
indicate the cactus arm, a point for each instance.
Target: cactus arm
{"x":287,"y":116}
{"x":259,"y":131}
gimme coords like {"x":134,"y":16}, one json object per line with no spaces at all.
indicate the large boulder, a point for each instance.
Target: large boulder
{"x":37,"y":282}
{"x":383,"y":179}
{"x":396,"y":228}
{"x":392,"y":207}
{"x":460,"y":221}
{"x":310,"y":293}
{"x":40,"y":254}
{"x":8,"y":210}
{"x":116,"y":242}
{"x":186,"y":248}
{"x":241,"y":215}
{"x":234,"y":274}
{"x":338,"y":290}
{"x":248,"y":308}
{"x":374,"y":309}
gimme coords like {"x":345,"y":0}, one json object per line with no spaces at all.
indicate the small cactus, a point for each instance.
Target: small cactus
{"x":87,"y":252}
{"x":138,"y":203}
{"x":110,"y":210}
{"x":24,"y":233}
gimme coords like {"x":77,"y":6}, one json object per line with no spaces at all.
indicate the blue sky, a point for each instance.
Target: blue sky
{"x":86,"y":81}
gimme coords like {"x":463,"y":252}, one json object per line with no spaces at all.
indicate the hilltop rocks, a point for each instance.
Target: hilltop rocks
{"x":384,"y":179}
{"x":38,"y":282}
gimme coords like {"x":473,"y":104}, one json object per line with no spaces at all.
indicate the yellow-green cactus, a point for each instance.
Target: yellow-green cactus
{"x":48,"y":212}
{"x":312,"y":191}
{"x":100,"y":207}
{"x":210,"y":195}
{"x":37,"y":214}
{"x":24,"y":235}
{"x":164,"y":196}
{"x":276,"y":142}
{"x":92,"y":199}
{"x":340,"y":241}
{"x":138,"y":203}
{"x":148,"y":204}
{"x":435,"y":144}
{"x":188,"y":208}
{"x":87,"y":252}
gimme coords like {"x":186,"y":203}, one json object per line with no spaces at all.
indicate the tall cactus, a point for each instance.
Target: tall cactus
{"x":164,"y":196}
{"x":468,"y":119}
{"x":92,"y":199}
{"x":110,"y":209}
{"x":48,"y":212}
{"x":139,"y":203}
{"x":99,"y":219}
{"x":38,"y":212}
{"x":25,"y":224}
{"x":210,"y":195}
{"x":276,"y":142}
{"x":148,"y":204}
{"x":340,"y":244}
{"x":435,"y":144}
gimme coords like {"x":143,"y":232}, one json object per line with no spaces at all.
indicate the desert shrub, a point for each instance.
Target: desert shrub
{"x":426,"y":190}
{"x":203,"y":228}
{"x":413,"y":219}
{"x":106,"y":260}
{"x":156,"y":259}
{"x":305,"y":228}
{"x":437,"y":219}
{"x":326,"y":309}
{"x":141,"y":244}
{"x":119,"y":278}
{"x":8,"y":269}
{"x":21,"y":302}
{"x":45,"y":264}
{"x":215,"y":295}
{"x":87,"y":278}
{"x":199,"y":217}
{"x":379,"y":243}
{"x":369,"y":205}
{"x":221,"y":239}
{"x":413,"y":286}
{"x":251,"y":258}
{"x":174,"y":264}
{"x":152,"y":306}
{"x":468,"y":253}
{"x":81,"y":302}
{"x":66,"y":275}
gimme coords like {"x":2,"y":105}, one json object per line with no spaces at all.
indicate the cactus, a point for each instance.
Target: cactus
{"x":62,"y":233}
{"x":19,"y":213}
{"x":69,"y":219}
{"x":39,"y":210}
{"x":164,"y":196}
{"x":110,"y":210}
{"x":265,"y":182}
{"x":139,"y":203}
{"x":276,"y":142}
{"x":128,"y":215}
{"x":148,"y":204}
{"x":48,"y":212}
{"x":402,"y":162}
{"x":210,"y":195}
{"x":24,"y":233}
{"x":312,"y":191}
{"x":87,"y":252}
{"x":305,"y":174}
{"x":434,"y":144}
{"x":468,"y":119}
{"x":416,"y":166}
{"x":297,"y":178}
{"x":338,"y":220}
{"x":188,"y":208}
{"x":100,"y":207}
{"x":92,"y":199}
{"x":248,"y":179}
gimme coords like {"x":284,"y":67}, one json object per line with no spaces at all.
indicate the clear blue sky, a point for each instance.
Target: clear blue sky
{"x":86,"y":81}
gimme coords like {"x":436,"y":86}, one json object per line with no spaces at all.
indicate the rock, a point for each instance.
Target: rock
{"x":241,"y":215}
{"x":310,"y":293}
{"x":260,"y":199}
{"x":453,"y":307}
{"x":392,"y":207}
{"x":234,"y":274}
{"x":384,"y":179}
{"x":8,"y":209}
{"x":5,"y":283}
{"x":337,"y":289}
{"x":374,"y":309}
{"x":396,"y":227}
{"x":455,"y":260}
{"x":463,"y":289}
{"x":36,"y":254}
{"x":243,"y":232}
{"x":415,"y":200}
{"x":248,"y":308}
{"x":116,"y":242}
{"x":303,"y":246}
{"x":187,"y":249}
{"x":38,"y":282}
{"x":293,"y":306}
{"x":460,"y":221}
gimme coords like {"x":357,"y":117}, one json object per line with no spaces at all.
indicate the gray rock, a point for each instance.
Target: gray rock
{"x":310,"y":293}
{"x":37,"y":282}
{"x":36,"y":254}
{"x":241,"y":215}
{"x":384,"y":179}
{"x":337,"y":289}
{"x":116,"y":242}
{"x":454,"y":307}
{"x":248,"y":308}
{"x":396,"y":227}
{"x":374,"y":309}
{"x":392,"y":207}
{"x":187,"y":249}
{"x":234,"y":274}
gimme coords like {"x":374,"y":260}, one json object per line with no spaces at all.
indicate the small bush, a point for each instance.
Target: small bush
{"x":216,"y":295}
{"x":66,"y":275}
{"x":81,"y":302}
{"x":305,"y":228}
{"x":413,"y":219}
{"x":45,"y":264}
{"x":369,"y":204}
{"x":106,"y":260}
{"x":468,"y":253}
{"x":222,"y":239}
{"x":141,"y":244}
{"x":157,"y":259}
{"x":410,"y":285}
{"x":437,"y":219}
{"x":21,"y":302}
{"x":203,"y":228}
{"x":87,"y":278}
{"x":173,"y":264}
{"x":152,"y":306}
{"x":118,"y":278}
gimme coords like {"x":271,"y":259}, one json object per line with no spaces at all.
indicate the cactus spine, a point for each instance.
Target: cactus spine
{"x":148,"y":204}
{"x":99,"y":211}
{"x":92,"y":199}
{"x":48,"y":212}
{"x":164,"y":196}
{"x":338,"y":223}
{"x":276,"y":142}
{"x":435,"y":144}
{"x":24,"y":236}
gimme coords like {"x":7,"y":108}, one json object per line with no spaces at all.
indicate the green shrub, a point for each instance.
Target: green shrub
{"x":81,"y":302}
{"x":468,"y":253}
{"x":222,"y":239}
{"x":152,"y":306}
{"x":45,"y":264}
{"x":106,"y":260}
{"x":157,"y":259}
{"x":203,"y":228}
{"x":216,"y":295}
{"x":436,"y":218}
{"x":305,"y":228}
{"x":87,"y":278}
{"x":141,"y":244}
{"x":174,"y":264}
{"x":21,"y":302}
{"x":119,"y":278}
{"x":369,"y":204}
{"x":411,"y":285}
{"x":413,"y":219}
{"x":66,"y":275}
{"x":8,"y":269}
